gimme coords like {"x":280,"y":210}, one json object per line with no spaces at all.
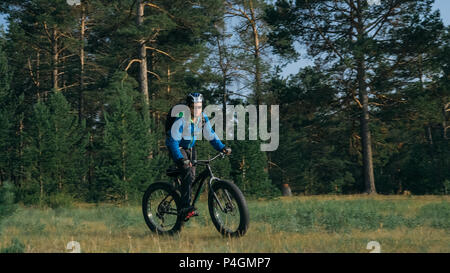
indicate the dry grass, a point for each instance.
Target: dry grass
{"x":111,"y":229}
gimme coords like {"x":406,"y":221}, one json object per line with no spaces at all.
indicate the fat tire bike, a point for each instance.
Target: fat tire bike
{"x":161,"y":203}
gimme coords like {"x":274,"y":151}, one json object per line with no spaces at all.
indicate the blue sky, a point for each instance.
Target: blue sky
{"x":442,"y":5}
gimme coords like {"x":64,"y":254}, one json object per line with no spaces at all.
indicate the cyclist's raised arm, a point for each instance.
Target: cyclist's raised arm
{"x":211,"y":135}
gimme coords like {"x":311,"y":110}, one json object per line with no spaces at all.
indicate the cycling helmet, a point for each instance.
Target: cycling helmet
{"x":193,"y":98}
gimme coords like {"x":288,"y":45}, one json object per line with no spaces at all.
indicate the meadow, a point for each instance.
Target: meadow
{"x":282,"y":225}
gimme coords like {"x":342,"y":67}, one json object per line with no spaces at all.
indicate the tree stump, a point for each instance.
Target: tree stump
{"x":286,"y":190}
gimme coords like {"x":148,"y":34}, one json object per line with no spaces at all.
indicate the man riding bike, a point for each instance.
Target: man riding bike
{"x":182,"y":147}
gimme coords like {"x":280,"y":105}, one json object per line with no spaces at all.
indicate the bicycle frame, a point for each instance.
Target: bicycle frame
{"x":202,"y":177}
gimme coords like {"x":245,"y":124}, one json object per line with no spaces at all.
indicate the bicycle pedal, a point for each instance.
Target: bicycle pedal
{"x":190,"y":215}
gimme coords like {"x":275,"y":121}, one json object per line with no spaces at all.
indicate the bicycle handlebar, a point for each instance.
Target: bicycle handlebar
{"x":205,"y":162}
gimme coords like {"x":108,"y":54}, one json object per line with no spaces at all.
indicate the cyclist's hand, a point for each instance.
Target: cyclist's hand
{"x":184,"y":163}
{"x":226,"y":150}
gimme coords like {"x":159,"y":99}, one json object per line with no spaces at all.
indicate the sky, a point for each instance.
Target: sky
{"x":442,"y":5}
{"x":293,"y":68}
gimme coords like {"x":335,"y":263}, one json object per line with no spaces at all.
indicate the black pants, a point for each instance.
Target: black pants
{"x":187,"y":177}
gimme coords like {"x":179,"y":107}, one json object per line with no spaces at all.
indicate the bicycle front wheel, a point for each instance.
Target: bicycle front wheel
{"x":228,"y":209}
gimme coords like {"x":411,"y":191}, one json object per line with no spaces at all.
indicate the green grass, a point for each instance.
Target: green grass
{"x":297,"y":224}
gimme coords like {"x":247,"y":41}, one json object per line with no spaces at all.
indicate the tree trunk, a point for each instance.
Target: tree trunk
{"x":257,"y":54}
{"x":124,"y":177}
{"x":21,"y":150}
{"x":429,"y":134}
{"x":243,"y":173}
{"x":224,"y":105}
{"x":55,"y":57}
{"x":41,"y":186}
{"x":150,"y":67}
{"x":38,"y":83}
{"x":168,"y":78}
{"x":41,"y":182}
{"x":369,"y":179}
{"x":258,"y":80}
{"x":257,"y":68}
{"x":91,"y":165}
{"x":143,"y":74}
{"x":444,"y":121}
{"x":82,"y":62}
{"x":224,"y":69}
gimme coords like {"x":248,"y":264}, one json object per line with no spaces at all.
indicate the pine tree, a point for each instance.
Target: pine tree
{"x":313,"y":156}
{"x":40,"y":49}
{"x":249,"y":169}
{"x":252,"y":32}
{"x":55,"y":150}
{"x":68,"y":145}
{"x":7,"y":202}
{"x":353,"y":40}
{"x":38,"y":157}
{"x":124,"y":162}
{"x":5,"y":115}
{"x":249,"y":166}
{"x":45,"y":36}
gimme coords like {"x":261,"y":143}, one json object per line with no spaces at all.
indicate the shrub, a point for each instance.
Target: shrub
{"x":16,"y":246}
{"x":59,"y":200}
{"x":436,"y":215}
{"x":7,"y":205}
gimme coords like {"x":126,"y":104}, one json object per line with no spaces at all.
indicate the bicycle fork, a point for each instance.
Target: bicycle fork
{"x":228,"y":201}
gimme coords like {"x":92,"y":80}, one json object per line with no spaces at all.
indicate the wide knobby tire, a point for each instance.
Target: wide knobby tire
{"x":150,"y":217}
{"x":235,"y":194}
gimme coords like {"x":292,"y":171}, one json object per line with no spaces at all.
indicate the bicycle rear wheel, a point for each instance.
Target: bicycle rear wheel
{"x":160,"y":206}
{"x":228,"y":209}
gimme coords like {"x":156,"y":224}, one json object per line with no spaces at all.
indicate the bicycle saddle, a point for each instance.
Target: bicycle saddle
{"x":173,"y":171}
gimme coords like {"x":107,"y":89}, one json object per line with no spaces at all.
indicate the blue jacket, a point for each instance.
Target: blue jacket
{"x":174,"y":142}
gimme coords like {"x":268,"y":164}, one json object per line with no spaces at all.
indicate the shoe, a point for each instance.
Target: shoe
{"x":189,"y":212}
